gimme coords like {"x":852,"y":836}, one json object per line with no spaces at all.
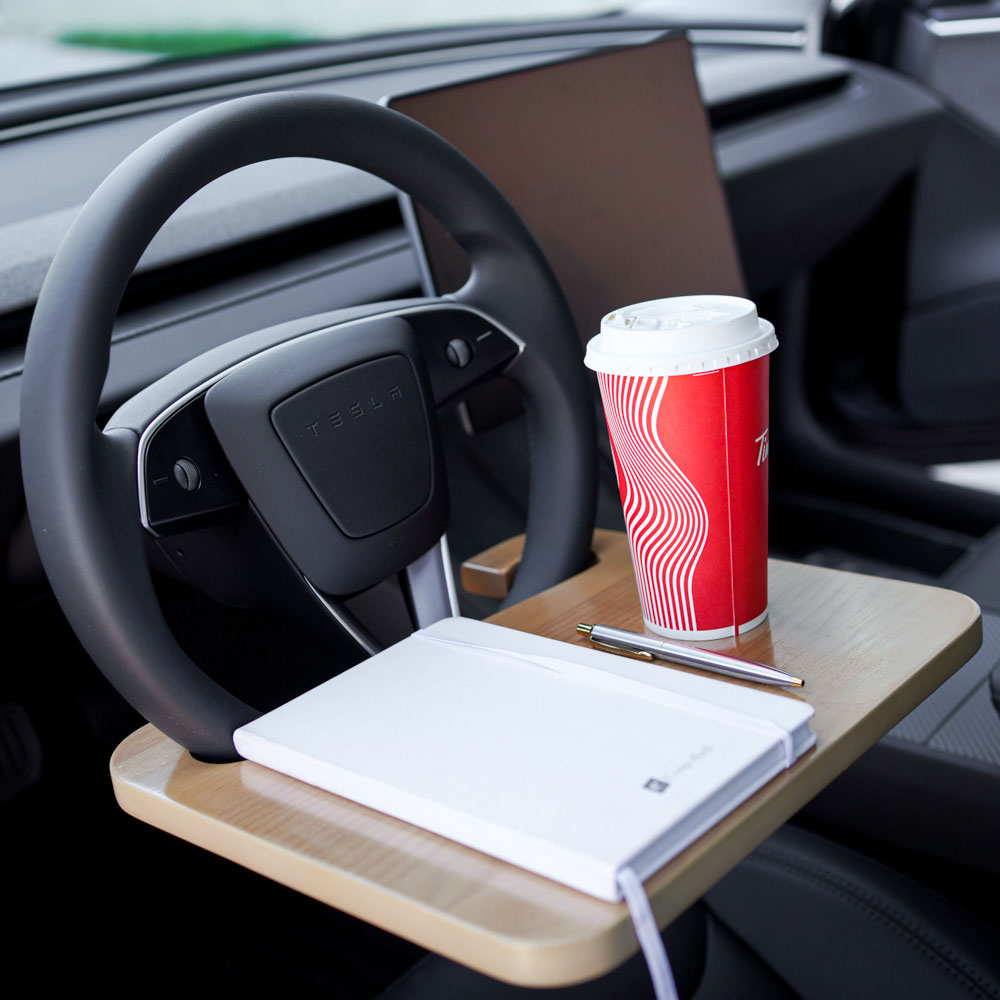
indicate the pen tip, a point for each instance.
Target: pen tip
{"x":798,"y":682}
{"x":584,"y":629}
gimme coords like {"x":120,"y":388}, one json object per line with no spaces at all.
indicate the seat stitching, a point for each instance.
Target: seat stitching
{"x":937,"y":951}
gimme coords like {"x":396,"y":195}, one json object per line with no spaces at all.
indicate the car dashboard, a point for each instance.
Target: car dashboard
{"x":795,"y":136}
{"x":822,"y":158}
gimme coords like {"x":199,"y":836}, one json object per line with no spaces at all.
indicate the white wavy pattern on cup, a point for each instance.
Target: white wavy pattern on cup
{"x":667,"y":518}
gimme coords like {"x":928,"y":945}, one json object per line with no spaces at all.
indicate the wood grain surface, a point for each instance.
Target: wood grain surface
{"x":870,"y":650}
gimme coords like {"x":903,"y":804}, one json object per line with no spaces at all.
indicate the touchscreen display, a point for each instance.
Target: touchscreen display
{"x":608,"y":158}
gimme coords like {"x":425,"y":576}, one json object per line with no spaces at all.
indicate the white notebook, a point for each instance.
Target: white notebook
{"x":566,"y":761}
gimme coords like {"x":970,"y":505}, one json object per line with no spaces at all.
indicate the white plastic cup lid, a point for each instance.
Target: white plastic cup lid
{"x":679,"y":336}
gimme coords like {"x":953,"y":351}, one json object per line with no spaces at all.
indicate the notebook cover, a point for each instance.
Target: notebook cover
{"x":565,"y":761}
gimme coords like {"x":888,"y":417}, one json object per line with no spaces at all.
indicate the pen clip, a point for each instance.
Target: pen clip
{"x":630,"y":651}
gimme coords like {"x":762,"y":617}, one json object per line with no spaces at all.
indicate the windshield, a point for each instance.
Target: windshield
{"x":45,"y":40}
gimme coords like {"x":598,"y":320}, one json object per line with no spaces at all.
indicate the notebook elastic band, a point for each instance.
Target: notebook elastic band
{"x":648,"y":934}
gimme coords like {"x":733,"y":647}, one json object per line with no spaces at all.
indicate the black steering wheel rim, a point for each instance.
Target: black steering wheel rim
{"x":79,"y":482}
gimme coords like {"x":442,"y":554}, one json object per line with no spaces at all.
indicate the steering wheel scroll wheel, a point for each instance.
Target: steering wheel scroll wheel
{"x":324,"y":428}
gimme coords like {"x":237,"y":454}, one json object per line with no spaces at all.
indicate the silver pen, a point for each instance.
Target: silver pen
{"x":617,"y":640}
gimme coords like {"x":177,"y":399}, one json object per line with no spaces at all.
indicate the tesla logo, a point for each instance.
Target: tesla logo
{"x":358,"y":409}
{"x":761,"y":447}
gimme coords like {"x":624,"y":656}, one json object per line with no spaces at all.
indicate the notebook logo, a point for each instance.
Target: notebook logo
{"x":655,"y":785}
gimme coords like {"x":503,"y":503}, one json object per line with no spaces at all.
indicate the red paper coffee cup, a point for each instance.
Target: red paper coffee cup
{"x":684,"y":383}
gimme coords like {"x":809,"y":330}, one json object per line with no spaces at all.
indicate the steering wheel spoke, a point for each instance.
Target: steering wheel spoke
{"x":185,"y":481}
{"x":429,"y":586}
{"x":461,"y":346}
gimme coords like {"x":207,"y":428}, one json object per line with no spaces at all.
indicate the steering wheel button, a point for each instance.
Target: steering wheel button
{"x":458,"y":352}
{"x":187,"y":475}
{"x":197,"y":488}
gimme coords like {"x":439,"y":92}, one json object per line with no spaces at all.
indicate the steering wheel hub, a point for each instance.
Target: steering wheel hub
{"x":333,"y":428}
{"x":332,"y":436}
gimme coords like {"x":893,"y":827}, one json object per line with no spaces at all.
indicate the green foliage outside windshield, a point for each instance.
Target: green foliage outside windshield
{"x":184,"y":43}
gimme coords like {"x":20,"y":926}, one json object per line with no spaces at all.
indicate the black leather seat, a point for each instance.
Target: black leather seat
{"x":800,"y":918}
{"x":933,"y":784}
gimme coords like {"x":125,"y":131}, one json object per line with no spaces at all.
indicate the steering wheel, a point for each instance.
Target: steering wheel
{"x":296,"y":422}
